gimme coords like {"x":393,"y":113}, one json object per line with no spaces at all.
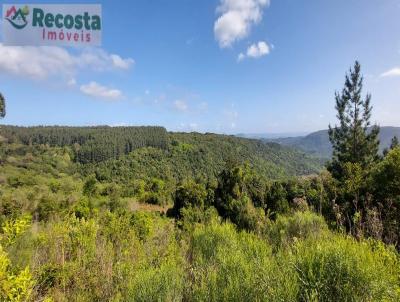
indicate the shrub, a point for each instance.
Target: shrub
{"x":191,"y":216}
{"x":188,"y":195}
{"x":143,"y":224}
{"x":162,"y":282}
{"x":13,"y":228}
{"x":229,"y":266}
{"x":14,"y":287}
{"x":277,"y":202}
{"x":301,"y":225}
{"x":158,"y":271}
{"x":339,"y":268}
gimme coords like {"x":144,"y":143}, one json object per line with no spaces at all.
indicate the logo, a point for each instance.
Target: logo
{"x":17,"y":17}
{"x":52,"y":24}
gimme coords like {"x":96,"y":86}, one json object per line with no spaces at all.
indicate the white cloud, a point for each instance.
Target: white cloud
{"x":255,"y":51}
{"x":118,"y":62}
{"x":394,"y":72}
{"x":241,"y":57}
{"x":44,"y":62}
{"x":180,"y":105}
{"x":96,"y":90}
{"x":258,"y":50}
{"x":236,"y":19}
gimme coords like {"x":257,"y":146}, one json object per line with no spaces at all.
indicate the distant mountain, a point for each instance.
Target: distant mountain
{"x":318,"y":144}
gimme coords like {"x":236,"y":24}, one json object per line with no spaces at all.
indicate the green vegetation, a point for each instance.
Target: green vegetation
{"x":90,"y":144}
{"x":353,"y":141}
{"x":140,"y":214}
{"x":70,"y":237}
{"x":2,"y":106}
{"x":317,"y":144}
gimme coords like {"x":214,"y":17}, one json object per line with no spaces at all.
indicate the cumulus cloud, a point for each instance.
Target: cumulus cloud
{"x":180,"y":105}
{"x":236,"y":19}
{"x":96,"y":90}
{"x":43,"y":62}
{"x":394,"y":72}
{"x":255,"y":51}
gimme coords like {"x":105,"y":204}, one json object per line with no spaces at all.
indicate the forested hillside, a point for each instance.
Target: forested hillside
{"x":318,"y":144}
{"x":158,"y":153}
{"x":90,"y":144}
{"x":140,"y":214}
{"x":68,"y":236}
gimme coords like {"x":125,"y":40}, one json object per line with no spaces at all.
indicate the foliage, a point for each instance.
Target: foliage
{"x":240,"y":229}
{"x":352,"y":141}
{"x":317,"y":143}
{"x":12,"y":228}
{"x":2,"y":106}
{"x":286,"y":230}
{"x":91,"y":144}
{"x":338,"y":268}
{"x":233,"y":197}
{"x":14,"y":287}
{"x":230,"y":266}
{"x":127,"y":153}
{"x":385,"y":184}
{"x":189,"y":194}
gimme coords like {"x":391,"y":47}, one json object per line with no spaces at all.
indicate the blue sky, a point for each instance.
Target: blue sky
{"x":226,"y":66}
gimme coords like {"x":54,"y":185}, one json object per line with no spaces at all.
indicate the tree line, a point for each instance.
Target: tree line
{"x":91,"y":144}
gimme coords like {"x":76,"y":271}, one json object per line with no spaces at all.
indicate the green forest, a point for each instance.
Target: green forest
{"x":142,"y":214}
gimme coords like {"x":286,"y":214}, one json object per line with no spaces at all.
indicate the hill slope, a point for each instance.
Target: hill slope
{"x":317,"y":143}
{"x":137,"y":152}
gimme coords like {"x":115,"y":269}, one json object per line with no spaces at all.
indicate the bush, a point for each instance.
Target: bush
{"x":191,"y":216}
{"x":14,"y":287}
{"x":143,"y":224}
{"x":187,"y":195}
{"x":230,"y":266}
{"x":301,"y":225}
{"x":339,"y":268}
{"x":157,"y":273}
{"x":277,"y":202}
{"x":162,"y":282}
{"x":13,"y":228}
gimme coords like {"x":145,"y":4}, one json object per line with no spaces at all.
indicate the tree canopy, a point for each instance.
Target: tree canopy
{"x":352,"y":140}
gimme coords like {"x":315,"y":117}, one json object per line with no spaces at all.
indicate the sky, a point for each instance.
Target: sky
{"x":224,"y":66}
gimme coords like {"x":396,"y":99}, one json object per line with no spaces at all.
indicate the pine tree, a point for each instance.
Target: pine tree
{"x":354,"y":140}
{"x":394,"y":143}
{"x":2,"y":106}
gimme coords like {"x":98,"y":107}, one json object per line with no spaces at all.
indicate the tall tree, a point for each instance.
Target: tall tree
{"x":354,"y":140}
{"x":394,"y":143}
{"x":2,"y":106}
